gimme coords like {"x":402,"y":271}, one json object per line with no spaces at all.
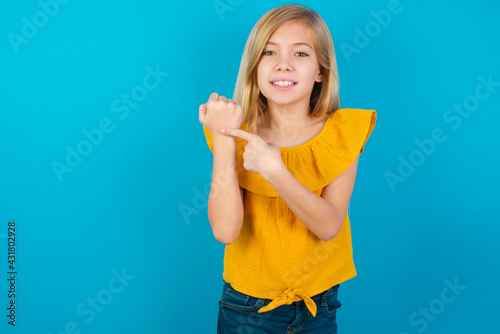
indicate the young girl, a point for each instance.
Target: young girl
{"x":285,"y":160}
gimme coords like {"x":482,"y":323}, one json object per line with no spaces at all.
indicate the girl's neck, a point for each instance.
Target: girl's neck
{"x":279,"y":118}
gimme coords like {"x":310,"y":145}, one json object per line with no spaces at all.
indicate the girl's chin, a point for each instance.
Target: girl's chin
{"x":285,"y":98}
{"x":282,"y":102}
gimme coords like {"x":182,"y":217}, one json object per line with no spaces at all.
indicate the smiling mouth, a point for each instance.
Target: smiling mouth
{"x":283,"y":83}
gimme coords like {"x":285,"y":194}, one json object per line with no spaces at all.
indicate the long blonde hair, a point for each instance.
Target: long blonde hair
{"x":325,"y":96}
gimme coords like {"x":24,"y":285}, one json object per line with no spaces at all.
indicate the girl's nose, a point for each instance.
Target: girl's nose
{"x":283,"y":63}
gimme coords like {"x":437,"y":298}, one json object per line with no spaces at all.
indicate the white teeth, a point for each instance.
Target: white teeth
{"x":283,"y":83}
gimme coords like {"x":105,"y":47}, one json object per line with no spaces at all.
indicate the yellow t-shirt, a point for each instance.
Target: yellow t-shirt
{"x":276,"y":256}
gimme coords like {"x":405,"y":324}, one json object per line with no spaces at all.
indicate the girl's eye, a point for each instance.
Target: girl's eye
{"x":270,"y":53}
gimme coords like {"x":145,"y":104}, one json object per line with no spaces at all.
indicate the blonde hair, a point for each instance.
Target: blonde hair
{"x":325,"y":96}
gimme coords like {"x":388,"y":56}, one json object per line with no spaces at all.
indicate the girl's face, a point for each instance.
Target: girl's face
{"x":288,"y":67}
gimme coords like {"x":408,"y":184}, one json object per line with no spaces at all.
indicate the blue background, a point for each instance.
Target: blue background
{"x":119,"y":209}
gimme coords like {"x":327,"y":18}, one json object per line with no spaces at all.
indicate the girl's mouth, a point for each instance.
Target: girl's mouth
{"x":283,"y":84}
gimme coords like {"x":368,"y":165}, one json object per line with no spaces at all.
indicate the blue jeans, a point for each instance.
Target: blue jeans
{"x":238,"y":314}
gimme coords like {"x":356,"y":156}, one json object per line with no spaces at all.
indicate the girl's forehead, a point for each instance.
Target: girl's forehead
{"x":291,"y":31}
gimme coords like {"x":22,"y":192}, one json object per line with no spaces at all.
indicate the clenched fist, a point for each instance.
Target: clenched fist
{"x":219,"y":112}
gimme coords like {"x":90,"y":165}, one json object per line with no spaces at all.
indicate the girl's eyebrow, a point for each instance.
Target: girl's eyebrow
{"x":298,"y":43}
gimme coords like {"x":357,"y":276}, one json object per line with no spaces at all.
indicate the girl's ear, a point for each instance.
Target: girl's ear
{"x":319,"y":78}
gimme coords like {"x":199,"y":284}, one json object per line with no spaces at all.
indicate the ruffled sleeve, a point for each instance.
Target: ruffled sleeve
{"x":210,"y":139}
{"x":319,"y":161}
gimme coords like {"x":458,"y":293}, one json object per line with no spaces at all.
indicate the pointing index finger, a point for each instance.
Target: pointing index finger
{"x":239,"y":133}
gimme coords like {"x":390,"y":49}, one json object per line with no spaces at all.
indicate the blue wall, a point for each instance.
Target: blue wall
{"x":101,"y":151}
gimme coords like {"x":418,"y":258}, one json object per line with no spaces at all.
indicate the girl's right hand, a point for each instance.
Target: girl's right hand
{"x":219,"y":112}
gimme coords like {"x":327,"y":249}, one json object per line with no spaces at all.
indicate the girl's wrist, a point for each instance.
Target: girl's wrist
{"x":275,"y":173}
{"x":223,"y":143}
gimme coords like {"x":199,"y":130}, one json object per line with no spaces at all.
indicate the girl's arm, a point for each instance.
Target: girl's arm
{"x":323,"y":215}
{"x":225,"y":201}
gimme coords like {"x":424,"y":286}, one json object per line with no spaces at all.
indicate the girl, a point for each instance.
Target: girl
{"x":285,"y":160}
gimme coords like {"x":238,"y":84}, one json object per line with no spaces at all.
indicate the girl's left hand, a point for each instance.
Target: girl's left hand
{"x":259,"y":157}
